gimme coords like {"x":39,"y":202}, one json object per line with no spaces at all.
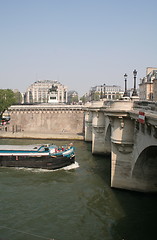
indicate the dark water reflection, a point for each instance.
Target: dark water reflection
{"x":74,"y":204}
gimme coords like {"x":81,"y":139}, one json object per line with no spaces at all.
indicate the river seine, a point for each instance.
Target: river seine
{"x":75,"y":203}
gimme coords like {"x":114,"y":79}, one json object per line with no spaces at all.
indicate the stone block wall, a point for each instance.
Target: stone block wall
{"x":47,"y":120}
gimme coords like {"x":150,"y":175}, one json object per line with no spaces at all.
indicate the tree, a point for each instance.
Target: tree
{"x":18,"y":97}
{"x":96,"y":96}
{"x":7,"y":98}
{"x":84,"y":98}
{"x":74,"y":99}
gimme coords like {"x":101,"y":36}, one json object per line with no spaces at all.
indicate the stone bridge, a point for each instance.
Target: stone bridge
{"x":115,"y":127}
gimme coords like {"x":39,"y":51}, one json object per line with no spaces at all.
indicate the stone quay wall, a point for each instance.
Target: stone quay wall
{"x":44,"y":121}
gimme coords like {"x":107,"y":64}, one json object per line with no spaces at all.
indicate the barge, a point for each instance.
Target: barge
{"x":45,"y":156}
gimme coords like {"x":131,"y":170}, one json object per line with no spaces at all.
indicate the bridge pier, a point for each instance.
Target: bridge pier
{"x":98,"y":133}
{"x":121,"y":152}
{"x":101,"y":134}
{"x":88,"y":126}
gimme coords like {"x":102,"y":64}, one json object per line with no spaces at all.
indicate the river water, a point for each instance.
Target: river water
{"x":75,"y":203}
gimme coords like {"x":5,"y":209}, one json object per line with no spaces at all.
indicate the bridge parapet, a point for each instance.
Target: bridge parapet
{"x":145,"y":105}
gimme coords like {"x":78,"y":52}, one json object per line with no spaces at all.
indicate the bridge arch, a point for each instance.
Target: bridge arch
{"x":145,"y":168}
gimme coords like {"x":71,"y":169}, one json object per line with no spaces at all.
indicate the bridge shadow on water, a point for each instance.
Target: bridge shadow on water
{"x":134,"y":213}
{"x":140,"y":209}
{"x":139,"y":221}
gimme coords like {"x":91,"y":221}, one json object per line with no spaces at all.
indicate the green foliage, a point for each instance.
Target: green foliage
{"x":7,"y":98}
{"x":73,"y":99}
{"x":96,"y":96}
{"x":84,"y":99}
{"x":18,"y":97}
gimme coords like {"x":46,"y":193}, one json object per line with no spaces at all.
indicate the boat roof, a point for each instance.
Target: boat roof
{"x":33,"y":147}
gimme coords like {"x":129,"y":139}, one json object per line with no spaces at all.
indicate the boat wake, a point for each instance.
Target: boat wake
{"x":70,"y":167}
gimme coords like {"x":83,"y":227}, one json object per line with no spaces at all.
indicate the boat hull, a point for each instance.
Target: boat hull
{"x":44,"y":162}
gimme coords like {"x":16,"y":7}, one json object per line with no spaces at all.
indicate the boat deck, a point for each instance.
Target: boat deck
{"x":34,"y":147}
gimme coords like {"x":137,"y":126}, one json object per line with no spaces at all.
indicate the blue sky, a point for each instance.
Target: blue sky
{"x":81,"y":43}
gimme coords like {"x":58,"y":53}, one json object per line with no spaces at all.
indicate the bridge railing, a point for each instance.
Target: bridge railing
{"x":146,"y":105}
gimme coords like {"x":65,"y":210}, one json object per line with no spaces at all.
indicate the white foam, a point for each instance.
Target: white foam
{"x":72,"y":166}
{"x":38,"y":170}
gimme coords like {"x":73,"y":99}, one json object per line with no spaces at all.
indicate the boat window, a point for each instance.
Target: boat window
{"x":41,"y":149}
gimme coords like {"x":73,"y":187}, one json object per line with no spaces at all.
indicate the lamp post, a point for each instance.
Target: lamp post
{"x":104,"y":91}
{"x":92,"y":95}
{"x":101,"y":93}
{"x":125,"y":79}
{"x":134,"y":93}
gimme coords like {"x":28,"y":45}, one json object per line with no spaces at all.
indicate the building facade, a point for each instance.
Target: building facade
{"x":45,"y":91}
{"x":107,"y":91}
{"x":148,"y":85}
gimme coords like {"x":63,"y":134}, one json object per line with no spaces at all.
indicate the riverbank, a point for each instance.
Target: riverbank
{"x":31,"y":135}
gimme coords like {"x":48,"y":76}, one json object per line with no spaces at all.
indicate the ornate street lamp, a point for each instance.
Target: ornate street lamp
{"x":104,"y":90}
{"x":101,"y":93}
{"x":92,"y":95}
{"x":134,"y":93}
{"x":125,"y":79}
